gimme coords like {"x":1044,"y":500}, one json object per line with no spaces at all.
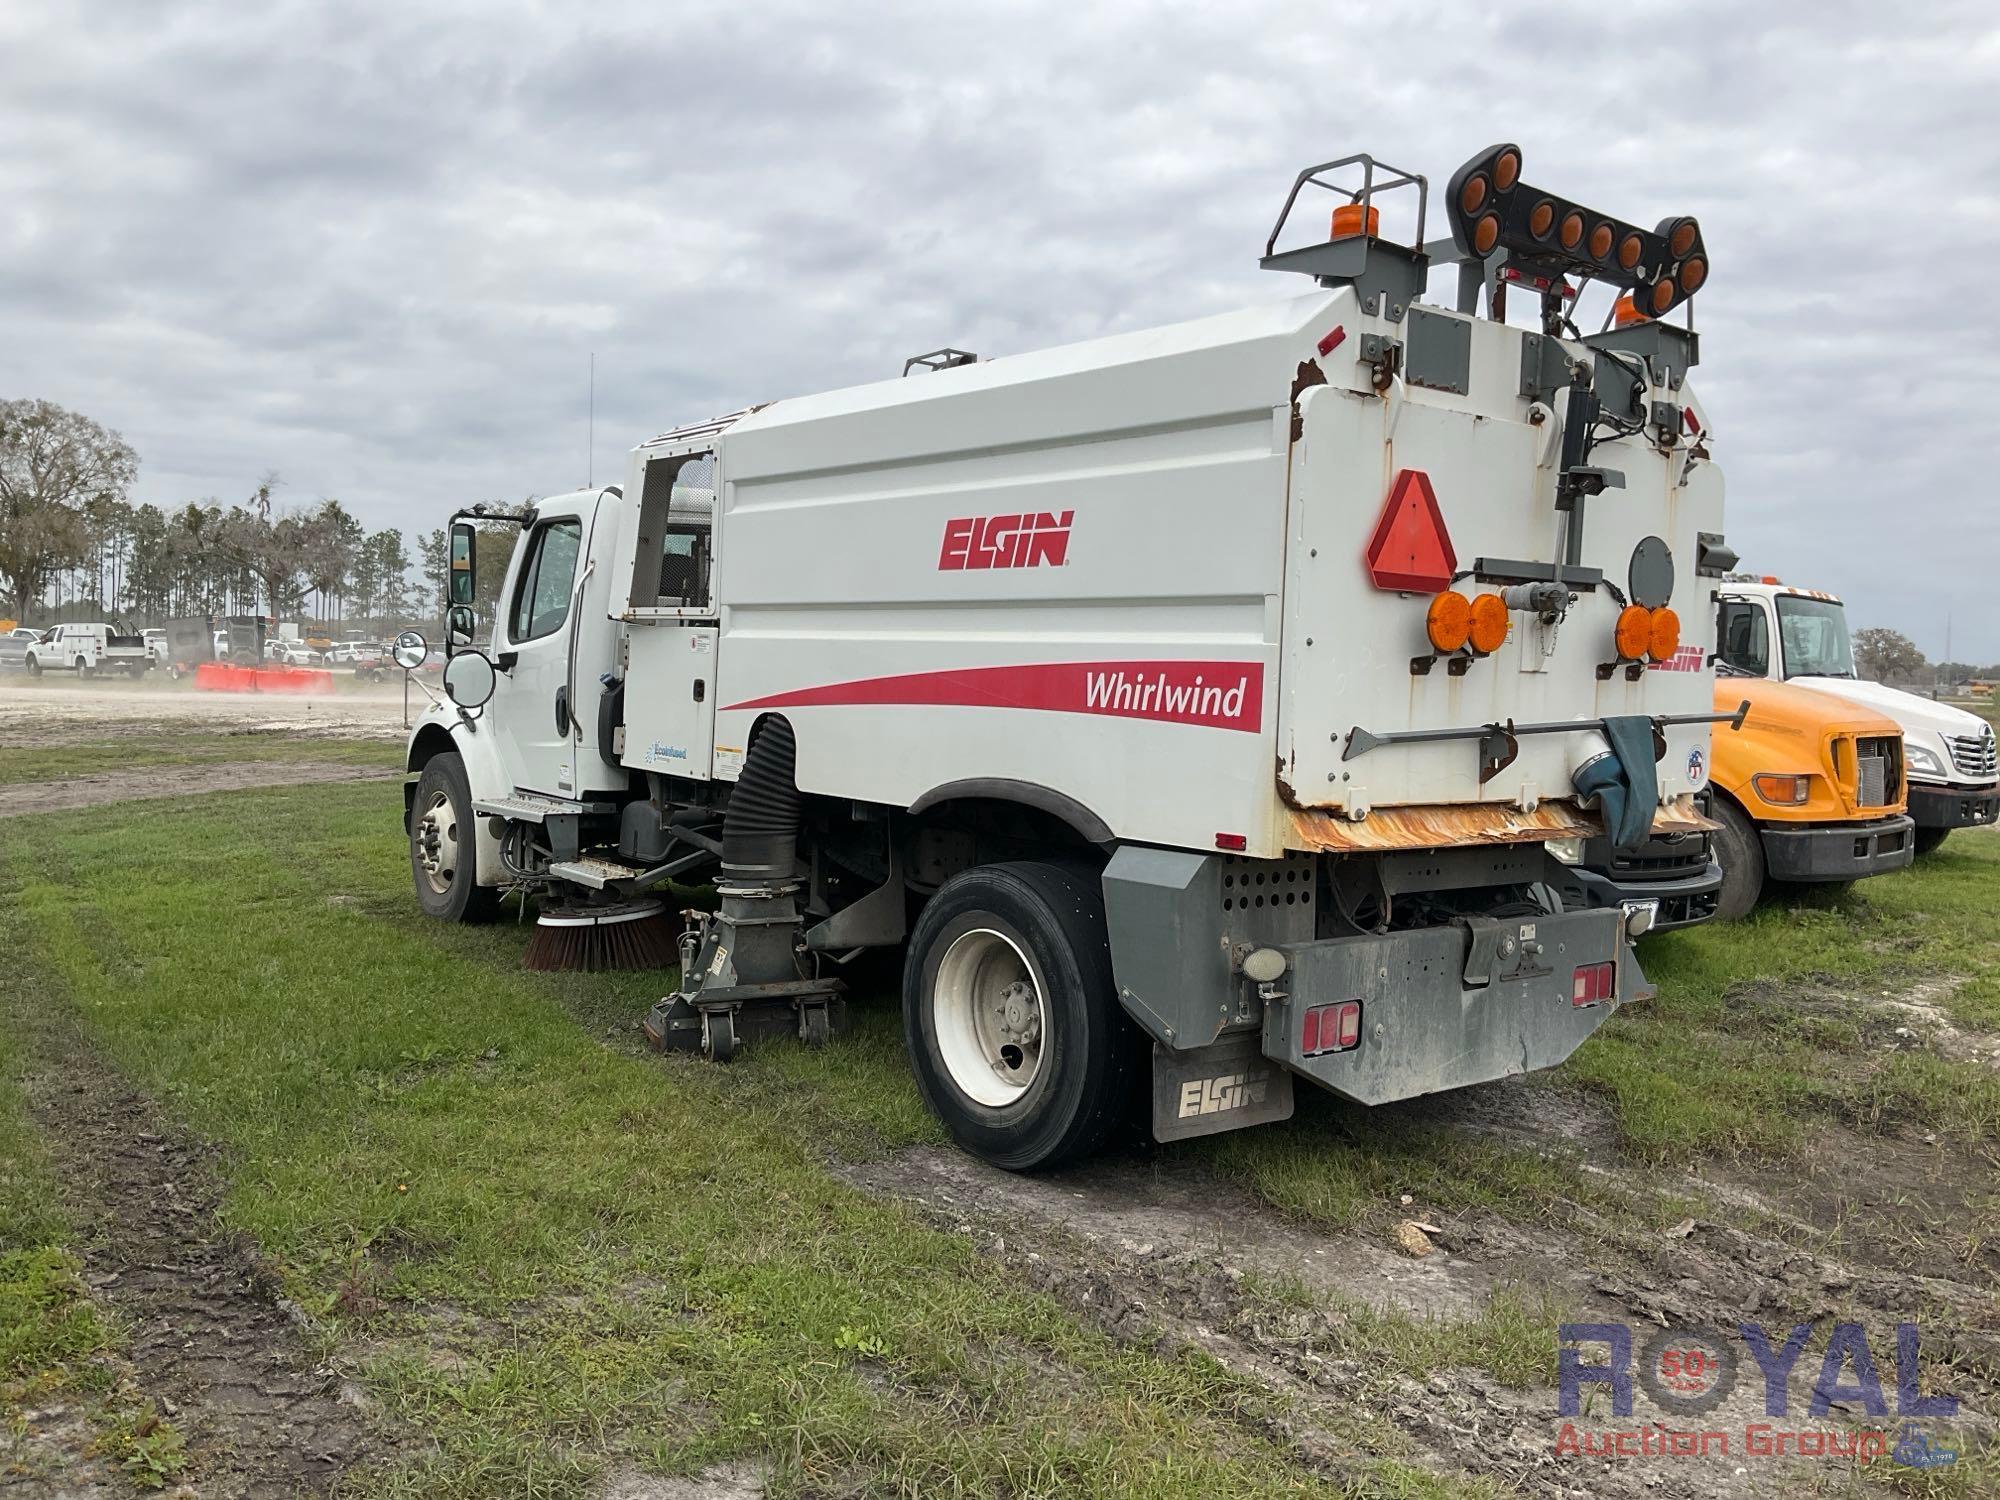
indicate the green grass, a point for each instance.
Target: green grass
{"x":141,"y":750}
{"x":1728,"y":1059}
{"x":544,"y":1251}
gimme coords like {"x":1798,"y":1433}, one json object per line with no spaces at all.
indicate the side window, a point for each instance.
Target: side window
{"x":1746,"y":637}
{"x":541,"y":595}
{"x":676,"y":533}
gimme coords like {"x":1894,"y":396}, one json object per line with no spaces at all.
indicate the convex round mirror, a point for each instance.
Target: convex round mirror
{"x":410,"y":650}
{"x":468,"y":679}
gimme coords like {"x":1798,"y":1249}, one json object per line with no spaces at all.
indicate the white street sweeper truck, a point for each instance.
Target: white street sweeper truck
{"x":1191,"y":705}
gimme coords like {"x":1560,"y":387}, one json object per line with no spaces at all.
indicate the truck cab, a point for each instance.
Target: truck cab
{"x":1767,"y":629}
{"x":1810,"y":790}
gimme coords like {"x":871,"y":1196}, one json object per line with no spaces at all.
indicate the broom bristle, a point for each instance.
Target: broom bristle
{"x":585,"y":940}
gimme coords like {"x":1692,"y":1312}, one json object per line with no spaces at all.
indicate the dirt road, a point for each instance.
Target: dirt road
{"x":60,"y":710}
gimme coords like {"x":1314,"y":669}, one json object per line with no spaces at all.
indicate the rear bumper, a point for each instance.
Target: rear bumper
{"x":1953,"y":807}
{"x":1683,"y":900}
{"x":1446,"y":1007}
{"x":1839,"y":851}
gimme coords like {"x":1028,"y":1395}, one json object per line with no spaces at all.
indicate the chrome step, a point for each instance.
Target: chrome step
{"x":531,"y":807}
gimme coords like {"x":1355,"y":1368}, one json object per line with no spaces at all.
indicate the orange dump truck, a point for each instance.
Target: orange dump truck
{"x":1810,"y":789}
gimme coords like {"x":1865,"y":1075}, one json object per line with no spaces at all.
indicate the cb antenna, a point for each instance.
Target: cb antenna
{"x":590,"y":432}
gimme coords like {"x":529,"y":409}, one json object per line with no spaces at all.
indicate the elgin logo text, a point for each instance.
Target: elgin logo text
{"x":1211,"y":1096}
{"x":1031,"y":540}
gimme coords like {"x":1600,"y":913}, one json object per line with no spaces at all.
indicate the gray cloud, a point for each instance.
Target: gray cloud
{"x":373,"y":246}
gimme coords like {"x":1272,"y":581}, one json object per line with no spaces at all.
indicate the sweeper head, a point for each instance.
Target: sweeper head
{"x":593,"y":939}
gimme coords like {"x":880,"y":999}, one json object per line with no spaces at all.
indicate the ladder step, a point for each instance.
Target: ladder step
{"x":530,"y":807}
{"x":593,"y":872}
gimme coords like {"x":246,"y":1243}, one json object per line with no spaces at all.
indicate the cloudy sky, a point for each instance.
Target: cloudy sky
{"x":374,"y":247}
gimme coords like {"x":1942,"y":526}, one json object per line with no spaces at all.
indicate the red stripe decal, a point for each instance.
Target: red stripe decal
{"x":1217,"y":694}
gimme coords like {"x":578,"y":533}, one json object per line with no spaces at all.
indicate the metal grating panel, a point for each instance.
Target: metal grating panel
{"x":1269,"y":900}
{"x":1875,"y":781}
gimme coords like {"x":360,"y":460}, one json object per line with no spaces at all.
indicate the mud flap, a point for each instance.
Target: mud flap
{"x":1224,"y":1086}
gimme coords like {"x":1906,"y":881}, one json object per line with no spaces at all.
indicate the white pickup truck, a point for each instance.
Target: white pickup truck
{"x":1768,"y":629}
{"x":88,"y":648}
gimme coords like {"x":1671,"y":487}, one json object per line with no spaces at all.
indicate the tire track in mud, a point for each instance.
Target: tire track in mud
{"x":207,"y":1337}
{"x":1165,"y":1255}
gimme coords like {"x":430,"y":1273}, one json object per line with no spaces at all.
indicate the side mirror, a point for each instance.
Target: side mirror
{"x":468,"y":679}
{"x":459,"y":624}
{"x":463,"y":546}
{"x":410,"y":650}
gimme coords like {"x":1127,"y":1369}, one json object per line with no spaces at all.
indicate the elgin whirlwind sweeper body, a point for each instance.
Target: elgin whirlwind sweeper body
{"x":1191,"y":704}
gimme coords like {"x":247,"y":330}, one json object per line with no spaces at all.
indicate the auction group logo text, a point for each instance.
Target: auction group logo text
{"x":1689,"y":1373}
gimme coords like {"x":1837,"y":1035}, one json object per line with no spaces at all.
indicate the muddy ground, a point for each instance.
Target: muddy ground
{"x":154,"y":782}
{"x":208,"y":1339}
{"x":1154,"y":1249}
{"x":61,"y":710}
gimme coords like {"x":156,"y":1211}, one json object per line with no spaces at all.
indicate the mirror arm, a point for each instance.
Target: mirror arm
{"x":505,"y":660}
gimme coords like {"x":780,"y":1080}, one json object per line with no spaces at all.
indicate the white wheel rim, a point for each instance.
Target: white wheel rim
{"x":437,"y":843}
{"x":990,"y":1016}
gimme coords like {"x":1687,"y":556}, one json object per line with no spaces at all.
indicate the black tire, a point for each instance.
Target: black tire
{"x":1080,"y":1088}
{"x":454,"y":895}
{"x":34,"y":666}
{"x":1740,"y":852}
{"x":84,"y":669}
{"x":1929,"y":838}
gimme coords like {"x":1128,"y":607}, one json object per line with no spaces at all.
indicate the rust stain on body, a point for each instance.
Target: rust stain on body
{"x":1445,"y":825}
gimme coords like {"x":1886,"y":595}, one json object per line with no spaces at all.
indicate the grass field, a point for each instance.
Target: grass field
{"x":545,"y":1257}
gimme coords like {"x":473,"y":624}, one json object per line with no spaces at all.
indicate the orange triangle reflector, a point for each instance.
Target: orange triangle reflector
{"x":1411,"y":550}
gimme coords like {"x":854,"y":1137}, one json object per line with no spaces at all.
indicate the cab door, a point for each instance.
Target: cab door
{"x":533,"y":712}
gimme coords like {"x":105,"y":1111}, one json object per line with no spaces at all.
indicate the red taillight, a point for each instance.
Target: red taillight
{"x":1236,"y":843}
{"x":1331,"y":1028}
{"x":1594,"y":984}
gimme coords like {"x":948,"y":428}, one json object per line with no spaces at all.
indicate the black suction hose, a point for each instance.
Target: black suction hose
{"x":760,"y":830}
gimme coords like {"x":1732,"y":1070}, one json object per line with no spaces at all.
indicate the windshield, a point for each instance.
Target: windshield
{"x":1814,"y":635}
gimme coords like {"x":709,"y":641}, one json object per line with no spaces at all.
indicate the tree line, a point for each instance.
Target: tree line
{"x":71,"y":540}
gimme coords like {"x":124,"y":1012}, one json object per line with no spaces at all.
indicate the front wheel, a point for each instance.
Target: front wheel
{"x":1929,"y":838}
{"x":444,"y":835}
{"x":1740,"y":852}
{"x":1012,"y":1017}
{"x":34,"y":667}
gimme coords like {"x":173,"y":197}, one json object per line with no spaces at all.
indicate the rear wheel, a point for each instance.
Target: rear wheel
{"x":444,"y":835}
{"x":1012,"y":1017}
{"x":1929,"y":838}
{"x":1740,"y":852}
{"x":84,"y":668}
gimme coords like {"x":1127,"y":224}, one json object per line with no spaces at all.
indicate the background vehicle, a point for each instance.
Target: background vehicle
{"x":14,"y":645}
{"x":1259,"y":800}
{"x":1674,"y":873}
{"x":291,"y":653}
{"x":353,"y":653}
{"x":1800,"y":636}
{"x":158,"y":651}
{"x":1810,"y":789}
{"x":86,"y":649}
